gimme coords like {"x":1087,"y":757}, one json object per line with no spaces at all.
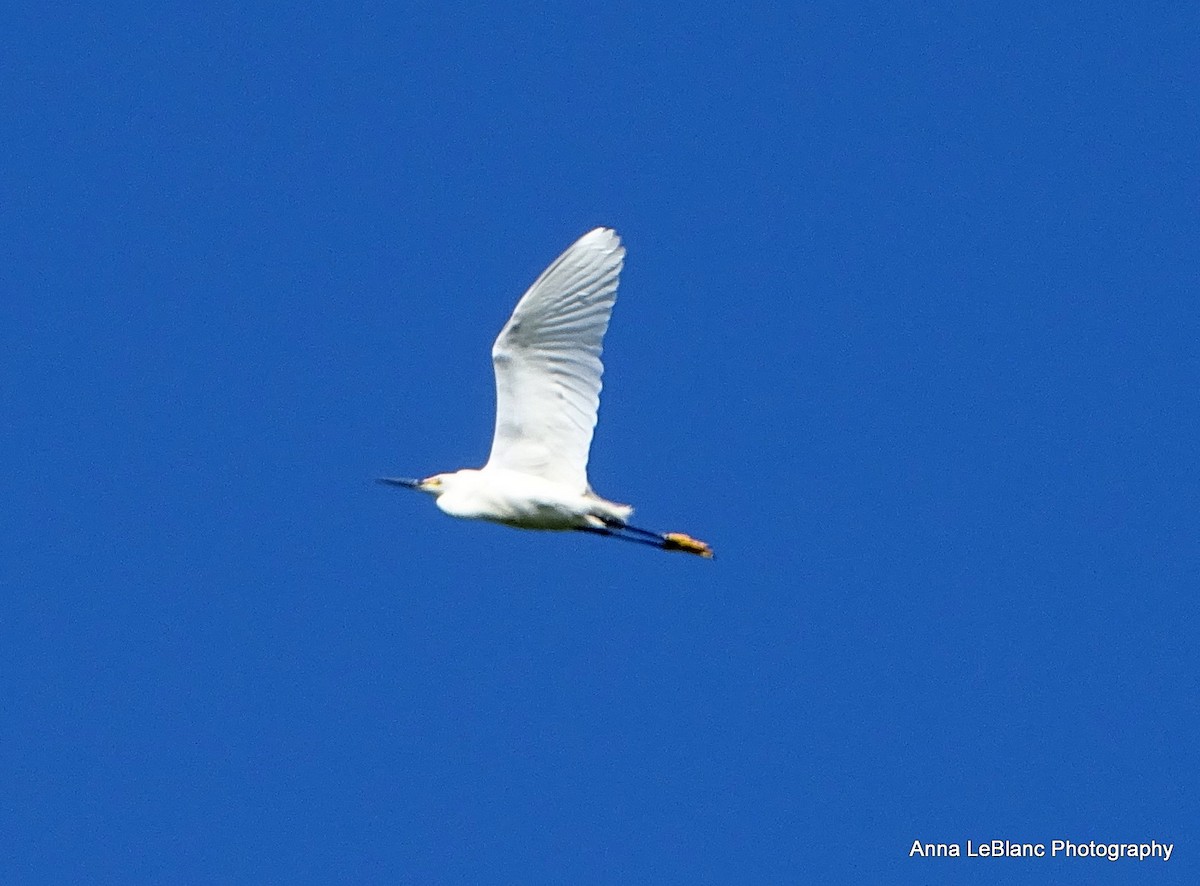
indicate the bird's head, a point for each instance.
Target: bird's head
{"x":434,"y":485}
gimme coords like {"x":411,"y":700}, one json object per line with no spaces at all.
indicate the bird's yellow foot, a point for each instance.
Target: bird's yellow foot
{"x":677,"y":541}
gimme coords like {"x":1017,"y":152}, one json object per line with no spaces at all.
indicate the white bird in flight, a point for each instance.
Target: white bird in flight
{"x":547,"y":362}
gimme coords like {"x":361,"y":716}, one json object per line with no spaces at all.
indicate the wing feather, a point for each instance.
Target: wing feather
{"x":547,"y":362}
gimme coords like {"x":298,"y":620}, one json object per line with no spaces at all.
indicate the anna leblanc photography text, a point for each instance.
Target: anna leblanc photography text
{"x":1056,"y":849}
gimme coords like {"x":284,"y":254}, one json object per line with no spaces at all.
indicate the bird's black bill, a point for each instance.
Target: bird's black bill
{"x":398,"y":481}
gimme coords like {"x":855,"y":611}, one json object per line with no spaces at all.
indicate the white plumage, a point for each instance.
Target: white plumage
{"x":547,"y":364}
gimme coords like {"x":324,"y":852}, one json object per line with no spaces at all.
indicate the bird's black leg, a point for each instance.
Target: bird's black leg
{"x":644,"y":533}
{"x":668,"y":541}
{"x":654,"y":542}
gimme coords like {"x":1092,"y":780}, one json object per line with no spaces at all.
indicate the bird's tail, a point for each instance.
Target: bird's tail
{"x":609,"y":512}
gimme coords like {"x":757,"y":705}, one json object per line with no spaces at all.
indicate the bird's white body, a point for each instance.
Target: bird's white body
{"x":547,"y":364}
{"x":524,"y":500}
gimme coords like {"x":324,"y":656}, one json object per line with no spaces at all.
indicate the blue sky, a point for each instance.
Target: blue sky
{"x":907,"y":331}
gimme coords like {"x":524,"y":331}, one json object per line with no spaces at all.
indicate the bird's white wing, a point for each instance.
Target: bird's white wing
{"x":547,"y":360}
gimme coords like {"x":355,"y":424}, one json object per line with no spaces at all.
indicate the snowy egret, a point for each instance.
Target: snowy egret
{"x":547,"y":363}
